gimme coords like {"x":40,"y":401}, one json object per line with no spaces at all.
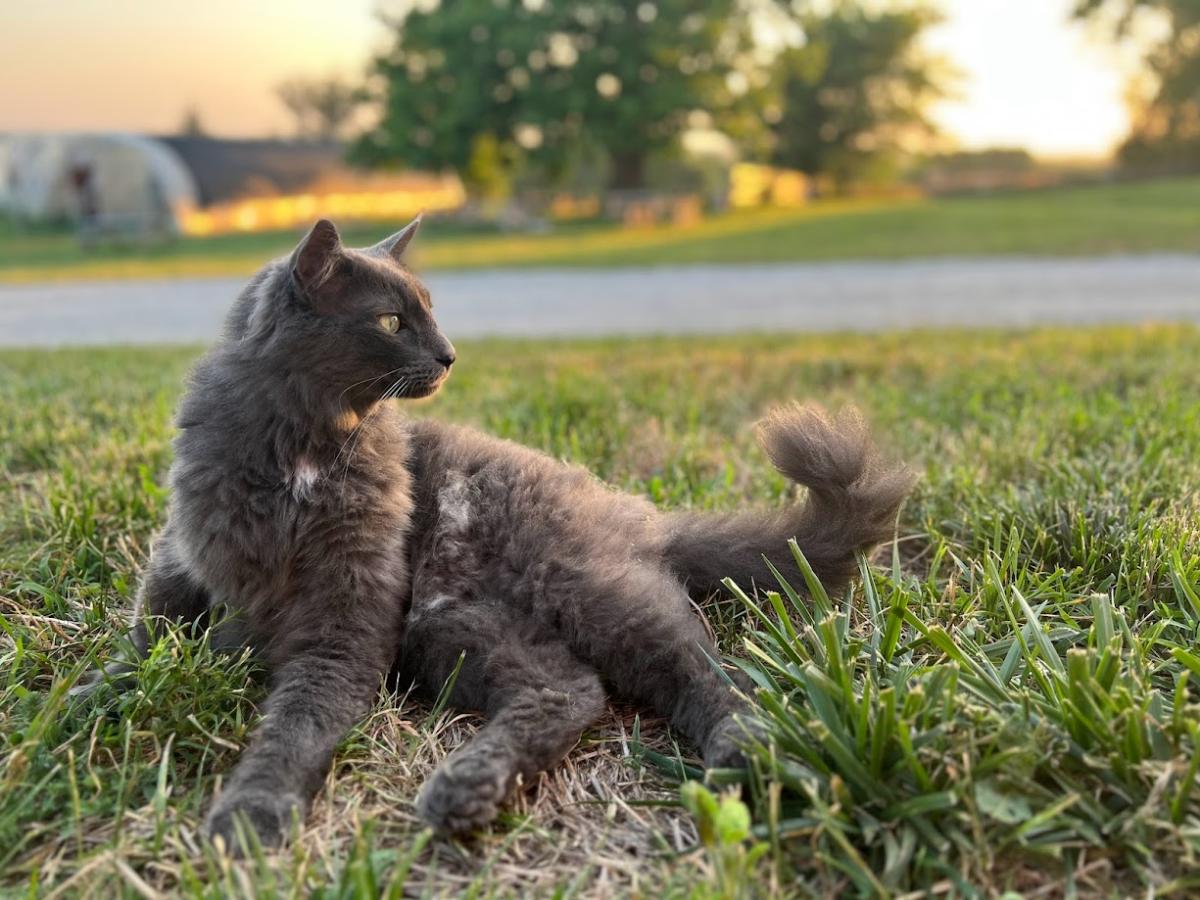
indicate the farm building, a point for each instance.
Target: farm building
{"x":201,"y":185}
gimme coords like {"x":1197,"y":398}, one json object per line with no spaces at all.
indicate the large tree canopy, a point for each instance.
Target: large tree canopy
{"x":852,"y":90}
{"x":1166,"y":127}
{"x":467,"y":80}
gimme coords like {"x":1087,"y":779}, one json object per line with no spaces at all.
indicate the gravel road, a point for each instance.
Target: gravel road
{"x":853,"y":296}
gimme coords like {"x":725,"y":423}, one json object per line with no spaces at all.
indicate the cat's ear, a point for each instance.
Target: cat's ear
{"x":313,"y":258}
{"x":394,"y":246}
{"x":314,"y":265}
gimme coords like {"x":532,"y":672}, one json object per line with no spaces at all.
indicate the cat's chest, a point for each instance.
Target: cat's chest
{"x":309,"y":489}
{"x":259,"y":538}
{"x":358,"y":509}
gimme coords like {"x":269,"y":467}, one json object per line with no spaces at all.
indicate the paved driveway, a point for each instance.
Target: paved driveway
{"x":855,"y":296}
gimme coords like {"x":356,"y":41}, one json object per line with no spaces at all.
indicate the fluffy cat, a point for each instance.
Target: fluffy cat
{"x":311,"y":522}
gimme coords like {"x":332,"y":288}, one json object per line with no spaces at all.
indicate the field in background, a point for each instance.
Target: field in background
{"x":1011,"y":701}
{"x":1127,"y":218}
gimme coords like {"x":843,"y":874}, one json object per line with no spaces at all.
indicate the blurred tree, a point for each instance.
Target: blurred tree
{"x":854,"y":90}
{"x":1165,"y":133}
{"x":487,"y":168}
{"x":323,"y":107}
{"x":191,"y":125}
{"x":543,"y":77}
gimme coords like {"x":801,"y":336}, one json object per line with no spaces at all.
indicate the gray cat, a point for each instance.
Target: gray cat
{"x":342,"y":543}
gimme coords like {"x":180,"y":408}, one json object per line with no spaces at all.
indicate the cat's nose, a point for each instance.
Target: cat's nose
{"x":447,"y":359}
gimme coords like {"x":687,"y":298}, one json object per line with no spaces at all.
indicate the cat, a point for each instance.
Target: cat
{"x":310,"y":521}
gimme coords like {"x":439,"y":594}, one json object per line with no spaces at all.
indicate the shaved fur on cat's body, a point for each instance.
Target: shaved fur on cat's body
{"x":347,"y":542}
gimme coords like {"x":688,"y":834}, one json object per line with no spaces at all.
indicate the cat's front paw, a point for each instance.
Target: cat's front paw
{"x":465,"y":793}
{"x":266,"y":814}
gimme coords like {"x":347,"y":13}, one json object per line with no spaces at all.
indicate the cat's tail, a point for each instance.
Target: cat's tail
{"x":851,"y":505}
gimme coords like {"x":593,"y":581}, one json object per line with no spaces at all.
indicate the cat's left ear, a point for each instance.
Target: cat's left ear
{"x":394,"y":246}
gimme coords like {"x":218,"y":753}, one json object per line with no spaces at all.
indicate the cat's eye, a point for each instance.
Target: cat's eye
{"x":390,"y":323}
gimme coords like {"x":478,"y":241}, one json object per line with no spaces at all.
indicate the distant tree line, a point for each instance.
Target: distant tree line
{"x":548,"y":89}
{"x":492,"y":88}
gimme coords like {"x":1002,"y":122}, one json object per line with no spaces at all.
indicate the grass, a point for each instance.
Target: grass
{"x":1125,"y":218}
{"x":1010,"y":700}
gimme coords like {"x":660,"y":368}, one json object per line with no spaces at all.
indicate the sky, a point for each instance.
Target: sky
{"x":1030,"y":77}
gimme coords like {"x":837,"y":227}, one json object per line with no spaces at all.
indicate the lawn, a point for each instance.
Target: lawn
{"x":1010,"y":701}
{"x":1125,"y":218}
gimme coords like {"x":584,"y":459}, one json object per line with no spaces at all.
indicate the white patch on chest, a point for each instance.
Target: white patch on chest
{"x":304,"y":478}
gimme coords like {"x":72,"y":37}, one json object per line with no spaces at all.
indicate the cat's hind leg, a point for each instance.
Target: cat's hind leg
{"x":538,"y":699}
{"x":643,"y":636}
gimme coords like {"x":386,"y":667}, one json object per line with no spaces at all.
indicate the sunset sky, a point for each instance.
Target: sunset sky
{"x":1031,"y":77}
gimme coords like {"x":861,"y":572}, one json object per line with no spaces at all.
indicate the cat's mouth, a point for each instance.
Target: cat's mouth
{"x":423,"y":385}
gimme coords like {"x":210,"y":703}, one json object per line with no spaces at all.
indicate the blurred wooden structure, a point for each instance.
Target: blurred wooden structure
{"x":637,"y":209}
{"x":253,"y":185}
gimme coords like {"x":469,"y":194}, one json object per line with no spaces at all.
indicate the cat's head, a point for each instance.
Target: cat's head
{"x":355,"y":320}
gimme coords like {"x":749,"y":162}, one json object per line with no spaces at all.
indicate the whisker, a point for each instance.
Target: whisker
{"x":366,"y":380}
{"x":361,"y":422}
{"x":391,"y":392}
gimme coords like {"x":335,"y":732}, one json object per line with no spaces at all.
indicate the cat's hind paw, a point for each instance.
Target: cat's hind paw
{"x":465,"y":793}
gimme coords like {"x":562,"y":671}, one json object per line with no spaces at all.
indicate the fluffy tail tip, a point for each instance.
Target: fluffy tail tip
{"x":835,"y":458}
